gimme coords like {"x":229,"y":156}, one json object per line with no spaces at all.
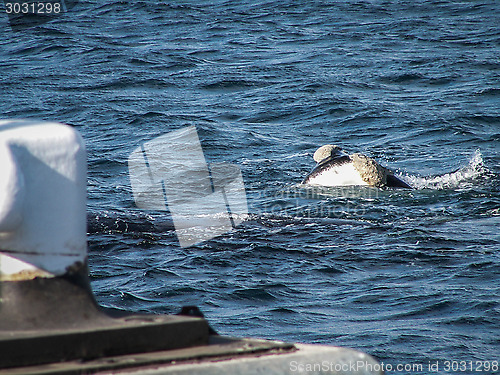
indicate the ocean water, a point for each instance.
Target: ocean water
{"x":409,"y":276}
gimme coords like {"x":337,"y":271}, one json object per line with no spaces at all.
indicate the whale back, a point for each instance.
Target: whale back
{"x":335,"y":168}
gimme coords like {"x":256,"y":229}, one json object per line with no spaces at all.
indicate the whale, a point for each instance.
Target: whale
{"x":336,"y":168}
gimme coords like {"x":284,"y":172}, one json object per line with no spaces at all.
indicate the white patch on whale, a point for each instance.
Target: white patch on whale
{"x":338,"y":175}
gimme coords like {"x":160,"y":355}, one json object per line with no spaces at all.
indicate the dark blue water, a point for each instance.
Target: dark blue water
{"x":410,"y":277}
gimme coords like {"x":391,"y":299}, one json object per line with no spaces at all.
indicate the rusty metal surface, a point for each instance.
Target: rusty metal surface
{"x":219,"y":348}
{"x":49,"y":320}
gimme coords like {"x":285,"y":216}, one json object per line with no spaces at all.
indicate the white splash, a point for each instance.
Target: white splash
{"x":457,"y":179}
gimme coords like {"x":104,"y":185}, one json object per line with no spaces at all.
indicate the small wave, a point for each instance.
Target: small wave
{"x":462,"y":177}
{"x":137,"y":222}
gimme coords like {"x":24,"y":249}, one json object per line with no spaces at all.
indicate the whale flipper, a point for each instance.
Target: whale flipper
{"x":395,"y":182}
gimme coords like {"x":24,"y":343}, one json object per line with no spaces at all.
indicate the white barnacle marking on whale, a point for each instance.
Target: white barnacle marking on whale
{"x":327,"y":151}
{"x":371,"y":172}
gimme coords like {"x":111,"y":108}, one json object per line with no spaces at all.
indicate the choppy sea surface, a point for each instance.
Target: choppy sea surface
{"x":409,"y":276}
